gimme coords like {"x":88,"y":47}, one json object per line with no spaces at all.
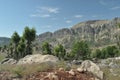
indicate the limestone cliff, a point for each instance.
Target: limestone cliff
{"x":96,"y":32}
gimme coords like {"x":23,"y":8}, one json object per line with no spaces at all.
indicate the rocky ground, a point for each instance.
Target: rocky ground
{"x":111,"y":68}
{"x":51,"y":75}
{"x":85,"y":70}
{"x":60,"y":75}
{"x":48,"y":67}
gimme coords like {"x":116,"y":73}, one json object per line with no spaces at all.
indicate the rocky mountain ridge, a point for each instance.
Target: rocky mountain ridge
{"x":96,"y":32}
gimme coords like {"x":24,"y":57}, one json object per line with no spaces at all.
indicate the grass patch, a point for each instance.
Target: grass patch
{"x":26,"y":69}
{"x":23,"y":70}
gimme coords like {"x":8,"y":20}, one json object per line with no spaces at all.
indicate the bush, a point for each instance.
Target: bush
{"x":59,"y":51}
{"x":80,"y":50}
{"x":96,"y":54}
{"x":110,"y":51}
{"x":46,"y":48}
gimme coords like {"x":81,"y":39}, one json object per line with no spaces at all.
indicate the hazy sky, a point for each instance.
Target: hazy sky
{"x":50,"y":15}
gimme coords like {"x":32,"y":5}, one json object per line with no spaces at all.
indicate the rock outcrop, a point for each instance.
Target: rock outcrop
{"x":8,"y":61}
{"x":38,"y":58}
{"x":89,"y":66}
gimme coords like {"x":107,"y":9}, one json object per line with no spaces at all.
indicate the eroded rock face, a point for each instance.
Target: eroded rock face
{"x":38,"y":58}
{"x":97,"y":32}
{"x":89,"y":66}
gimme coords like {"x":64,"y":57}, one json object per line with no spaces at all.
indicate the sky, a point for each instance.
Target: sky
{"x":51,"y":15}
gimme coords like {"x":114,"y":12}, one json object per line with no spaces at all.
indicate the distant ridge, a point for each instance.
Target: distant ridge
{"x":4,"y":41}
{"x":96,"y":32}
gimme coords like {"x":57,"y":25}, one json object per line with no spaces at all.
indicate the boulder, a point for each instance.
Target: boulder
{"x":38,"y":58}
{"x":8,"y":61}
{"x":113,"y":65}
{"x":91,"y":67}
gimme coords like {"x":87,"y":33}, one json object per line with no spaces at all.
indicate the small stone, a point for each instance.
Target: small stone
{"x":61,"y":69}
{"x":80,"y":70}
{"x":71,"y":72}
{"x":52,"y":76}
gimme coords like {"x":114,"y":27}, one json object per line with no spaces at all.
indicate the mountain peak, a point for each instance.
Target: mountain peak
{"x":96,"y":32}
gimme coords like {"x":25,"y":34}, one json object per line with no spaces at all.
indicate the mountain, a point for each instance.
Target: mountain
{"x":4,"y":41}
{"x":96,"y":32}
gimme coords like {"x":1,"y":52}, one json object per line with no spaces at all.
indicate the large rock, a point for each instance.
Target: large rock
{"x":91,"y":67}
{"x":8,"y":61}
{"x":38,"y":58}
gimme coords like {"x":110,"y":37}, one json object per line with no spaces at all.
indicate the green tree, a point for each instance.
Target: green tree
{"x":59,"y":51}
{"x":10,"y":53}
{"x":15,"y":40}
{"x":29,"y":35}
{"x":46,"y":48}
{"x":21,"y":48}
{"x":109,"y":51}
{"x":80,"y":50}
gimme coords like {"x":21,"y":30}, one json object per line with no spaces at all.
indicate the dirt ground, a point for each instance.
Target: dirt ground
{"x":50,"y":75}
{"x":61,"y":75}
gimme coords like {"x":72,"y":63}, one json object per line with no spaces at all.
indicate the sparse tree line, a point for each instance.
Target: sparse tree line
{"x":19,"y":47}
{"x":80,"y":50}
{"x":108,"y":52}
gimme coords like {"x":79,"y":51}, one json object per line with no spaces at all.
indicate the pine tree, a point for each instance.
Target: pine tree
{"x":29,"y":35}
{"x":15,"y":40}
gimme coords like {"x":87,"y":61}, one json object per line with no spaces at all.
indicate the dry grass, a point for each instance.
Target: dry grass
{"x":26,"y":69}
{"x":23,"y":70}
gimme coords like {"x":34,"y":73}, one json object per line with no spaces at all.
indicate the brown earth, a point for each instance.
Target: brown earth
{"x":61,"y":75}
{"x":58,"y":75}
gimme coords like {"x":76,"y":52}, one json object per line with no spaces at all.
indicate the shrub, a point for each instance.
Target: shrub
{"x":59,"y":51}
{"x":80,"y":50}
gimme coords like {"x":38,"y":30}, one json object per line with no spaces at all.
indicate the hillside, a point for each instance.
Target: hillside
{"x":96,"y":32}
{"x":4,"y":41}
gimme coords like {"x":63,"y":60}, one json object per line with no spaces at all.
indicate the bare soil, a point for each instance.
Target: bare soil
{"x":62,"y":75}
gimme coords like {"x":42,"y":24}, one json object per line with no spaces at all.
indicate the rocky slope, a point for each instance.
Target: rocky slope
{"x":96,"y":32}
